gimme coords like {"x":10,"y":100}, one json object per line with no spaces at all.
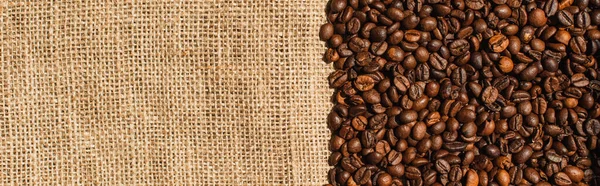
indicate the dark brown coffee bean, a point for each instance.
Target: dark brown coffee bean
{"x":334,"y":158}
{"x":354,"y":145}
{"x":565,"y":17}
{"x":364,"y":83}
{"x":326,"y":31}
{"x":368,"y":139}
{"x":578,"y":45}
{"x":396,"y":170}
{"x":362,"y":176}
{"x":419,"y":131}
{"x":407,"y":116}
{"x":337,"y":79}
{"x":378,"y":34}
{"x":442,"y":166}
{"x":537,"y":17}
{"x":465,"y":115}
{"x":582,"y":19}
{"x":579,"y":80}
{"x":492,"y":151}
{"x":475,"y":4}
{"x":574,"y":173}
{"x":523,"y":155}
{"x":412,"y":36}
{"x":561,"y":178}
{"x":410,"y":22}
{"x":428,"y":24}
{"x":384,"y":179}
{"x":338,"y":5}
{"x":455,"y":146}
{"x":489,"y":94}
{"x":516,"y":174}
{"x":459,"y":47}
{"x":422,"y":72}
{"x":374,"y":157}
{"x":455,"y":173}
{"x":551,"y":7}
{"x":529,"y":73}
{"x":592,"y":127}
{"x":531,"y":175}
{"x":459,"y":76}
{"x":412,"y":173}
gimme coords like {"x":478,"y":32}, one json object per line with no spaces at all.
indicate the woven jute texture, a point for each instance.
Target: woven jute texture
{"x":212,"y":92}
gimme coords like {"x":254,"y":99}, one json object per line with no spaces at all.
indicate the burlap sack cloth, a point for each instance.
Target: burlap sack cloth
{"x":163,"y":93}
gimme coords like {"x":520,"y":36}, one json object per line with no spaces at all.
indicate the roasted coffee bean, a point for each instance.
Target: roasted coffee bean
{"x":565,"y":18}
{"x":498,"y":43}
{"x":396,"y":170}
{"x":561,"y":178}
{"x":475,"y":4}
{"x":532,"y":175}
{"x":368,"y":139}
{"x":502,"y":177}
{"x":362,"y":175}
{"x":574,"y":173}
{"x":592,"y":127}
{"x":459,"y":47}
{"x":537,"y":17}
{"x":412,"y":173}
{"x":326,"y":31}
{"x":442,"y":166}
{"x":364,"y":83}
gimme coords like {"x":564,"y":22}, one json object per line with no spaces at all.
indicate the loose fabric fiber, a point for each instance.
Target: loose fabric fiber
{"x":216,"y":92}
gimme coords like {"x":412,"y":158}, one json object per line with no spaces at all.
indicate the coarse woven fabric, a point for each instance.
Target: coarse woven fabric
{"x":216,"y":92}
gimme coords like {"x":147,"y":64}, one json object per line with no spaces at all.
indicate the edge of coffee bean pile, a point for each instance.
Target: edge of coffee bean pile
{"x":463,"y":92}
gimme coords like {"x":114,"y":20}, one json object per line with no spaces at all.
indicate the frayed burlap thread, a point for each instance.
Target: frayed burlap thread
{"x":216,"y":92}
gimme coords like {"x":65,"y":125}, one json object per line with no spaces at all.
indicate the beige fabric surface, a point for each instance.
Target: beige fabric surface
{"x":216,"y":92}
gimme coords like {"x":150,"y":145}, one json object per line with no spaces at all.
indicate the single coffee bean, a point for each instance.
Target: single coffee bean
{"x":582,"y":19}
{"x":326,"y":31}
{"x":592,"y":126}
{"x":455,"y":146}
{"x":498,"y":43}
{"x":489,"y":94}
{"x":531,"y":175}
{"x":378,"y":34}
{"x":395,"y":53}
{"x":412,"y":173}
{"x":565,"y":18}
{"x":412,"y":36}
{"x":396,"y":170}
{"x":419,"y":131}
{"x":523,"y":155}
{"x":475,"y":4}
{"x":537,"y":17}
{"x":442,"y":166}
{"x":561,"y":178}
{"x":362,"y":175}
{"x":561,"y":36}
{"x":364,"y":83}
{"x":337,"y":79}
{"x":368,"y":139}
{"x":502,"y":177}
{"x":551,"y":7}
{"x":574,"y":173}
{"x":459,"y":47}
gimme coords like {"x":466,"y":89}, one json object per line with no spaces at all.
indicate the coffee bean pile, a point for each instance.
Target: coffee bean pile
{"x":463,"y":92}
